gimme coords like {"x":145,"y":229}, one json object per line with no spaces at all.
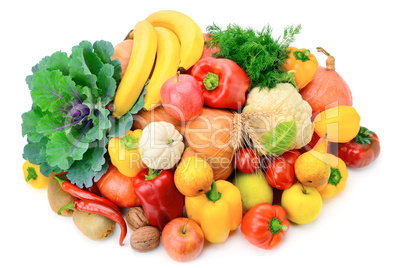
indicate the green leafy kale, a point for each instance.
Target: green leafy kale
{"x":256,"y":52}
{"x":69,"y":124}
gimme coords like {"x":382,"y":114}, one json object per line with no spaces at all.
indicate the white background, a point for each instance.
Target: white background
{"x":360,"y":226}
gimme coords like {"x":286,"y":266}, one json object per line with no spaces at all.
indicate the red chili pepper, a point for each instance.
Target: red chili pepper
{"x":224,"y":83}
{"x":159,"y":197}
{"x":83,"y":194}
{"x":360,"y":151}
{"x":100,"y":209}
{"x":264,"y":225}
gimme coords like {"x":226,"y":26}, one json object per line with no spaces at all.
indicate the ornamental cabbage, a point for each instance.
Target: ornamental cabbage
{"x":69,"y":124}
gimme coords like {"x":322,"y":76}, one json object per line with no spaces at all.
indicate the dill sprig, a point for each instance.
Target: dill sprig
{"x":256,"y":52}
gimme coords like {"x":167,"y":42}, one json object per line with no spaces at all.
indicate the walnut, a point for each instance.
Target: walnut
{"x":136,"y":218}
{"x":145,"y":238}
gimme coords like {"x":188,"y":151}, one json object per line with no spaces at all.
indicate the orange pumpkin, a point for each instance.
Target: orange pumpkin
{"x":122,"y":51}
{"x":208,"y":135}
{"x":327,"y":89}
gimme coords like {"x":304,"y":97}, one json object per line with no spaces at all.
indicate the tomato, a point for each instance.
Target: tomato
{"x":247,"y":160}
{"x":118,"y":188}
{"x":360,"y":151}
{"x":93,"y":189}
{"x":290,"y":156}
{"x":280,"y":174}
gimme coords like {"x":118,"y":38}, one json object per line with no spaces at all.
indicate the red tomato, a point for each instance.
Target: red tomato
{"x":280,"y":174}
{"x":290,"y":156}
{"x":247,"y":160}
{"x":118,"y":188}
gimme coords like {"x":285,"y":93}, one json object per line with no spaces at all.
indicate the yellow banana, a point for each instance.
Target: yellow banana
{"x":139,"y":68}
{"x":166,"y":65}
{"x":189,"y":33}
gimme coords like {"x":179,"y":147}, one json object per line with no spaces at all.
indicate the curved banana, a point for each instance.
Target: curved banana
{"x":189,"y":33}
{"x":166,"y":65}
{"x":139,"y":68}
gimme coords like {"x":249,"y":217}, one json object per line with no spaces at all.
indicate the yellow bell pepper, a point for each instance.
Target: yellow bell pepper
{"x":218,"y":212}
{"x":336,"y":182}
{"x":124,"y":153}
{"x":33,"y":176}
{"x":341,"y":124}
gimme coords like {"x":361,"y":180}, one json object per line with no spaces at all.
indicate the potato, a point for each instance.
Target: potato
{"x":59,"y":198}
{"x":93,"y":226}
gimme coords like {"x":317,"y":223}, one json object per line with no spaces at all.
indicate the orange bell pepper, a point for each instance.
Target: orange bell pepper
{"x":218,"y":211}
{"x":303,"y":63}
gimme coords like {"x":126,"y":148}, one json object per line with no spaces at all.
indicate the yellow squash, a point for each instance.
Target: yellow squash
{"x":124,"y":153}
{"x":336,"y":182}
{"x":139,"y":68}
{"x":33,"y":176}
{"x":341,"y":124}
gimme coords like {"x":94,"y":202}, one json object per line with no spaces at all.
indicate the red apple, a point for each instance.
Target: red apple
{"x":183,"y":239}
{"x":182,"y":97}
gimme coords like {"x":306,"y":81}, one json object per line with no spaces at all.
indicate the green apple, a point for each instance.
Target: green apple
{"x":302,"y":203}
{"x":254,"y":188}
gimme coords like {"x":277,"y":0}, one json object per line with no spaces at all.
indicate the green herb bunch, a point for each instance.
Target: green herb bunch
{"x":256,"y":52}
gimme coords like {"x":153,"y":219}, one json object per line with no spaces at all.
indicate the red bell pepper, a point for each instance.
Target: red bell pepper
{"x":224,"y":83}
{"x":159,"y":197}
{"x":264,"y":225}
{"x":360,"y":151}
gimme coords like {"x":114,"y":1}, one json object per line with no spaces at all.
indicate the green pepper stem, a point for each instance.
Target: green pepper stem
{"x":211,"y":81}
{"x":302,"y":55}
{"x":129,"y":142}
{"x":31,"y":174}
{"x":335,"y":177}
{"x":68,"y":206}
{"x":275,"y":226}
{"x":152,"y":173}
{"x":213,"y":194}
{"x":59,"y":180}
{"x":364,"y":136}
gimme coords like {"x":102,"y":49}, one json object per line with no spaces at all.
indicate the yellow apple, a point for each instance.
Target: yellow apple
{"x":302,"y":203}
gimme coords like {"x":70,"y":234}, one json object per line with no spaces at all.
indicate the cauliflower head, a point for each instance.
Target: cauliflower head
{"x":266,"y":108}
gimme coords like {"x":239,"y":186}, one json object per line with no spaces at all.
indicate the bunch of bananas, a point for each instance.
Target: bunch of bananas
{"x":164,"y":42}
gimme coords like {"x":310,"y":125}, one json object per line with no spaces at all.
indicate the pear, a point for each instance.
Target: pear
{"x":254,"y":188}
{"x":313,"y":168}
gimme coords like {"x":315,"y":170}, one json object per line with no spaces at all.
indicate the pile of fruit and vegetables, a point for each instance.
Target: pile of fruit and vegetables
{"x":179,"y":136}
